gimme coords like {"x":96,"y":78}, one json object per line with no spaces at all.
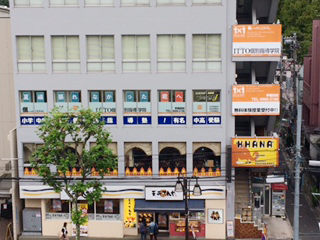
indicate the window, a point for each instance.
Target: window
{"x":59,"y":3}
{"x":68,"y":100}
{"x":100,"y":54}
{"x":171,"y":53}
{"x":31,"y":54}
{"x":98,"y":2}
{"x":28,"y":150}
{"x":28,"y":3}
{"x":206,"y":107}
{"x":171,"y":2}
{"x":66,"y":54}
{"x":58,"y":206}
{"x":206,"y":52}
{"x":108,"y":206}
{"x":103,"y":101}
{"x":135,"y":2}
{"x":172,"y":102}
{"x":136,"y":53}
{"x":206,"y":1}
{"x":33,"y":102}
{"x":137,"y":101}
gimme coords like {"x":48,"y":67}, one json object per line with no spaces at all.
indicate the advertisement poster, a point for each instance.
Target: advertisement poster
{"x":179,"y":96}
{"x":257,"y":40}
{"x":256,"y":100}
{"x":215,"y":216}
{"x":108,"y":206}
{"x":56,"y":205}
{"x":40,"y":97}
{"x":230,"y":229}
{"x":26,"y":96}
{"x":130,"y":216}
{"x":255,"y":152}
{"x":164,"y":97}
{"x":83,"y":228}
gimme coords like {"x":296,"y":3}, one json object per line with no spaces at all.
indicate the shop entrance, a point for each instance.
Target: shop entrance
{"x":261,"y":197}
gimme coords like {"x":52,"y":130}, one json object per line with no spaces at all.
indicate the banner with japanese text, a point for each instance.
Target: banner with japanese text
{"x":83,"y":228}
{"x":130,"y":216}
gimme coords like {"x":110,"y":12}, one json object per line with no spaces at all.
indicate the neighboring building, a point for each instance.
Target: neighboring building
{"x":162,"y":73}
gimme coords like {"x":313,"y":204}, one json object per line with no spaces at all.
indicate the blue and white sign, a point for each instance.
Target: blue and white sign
{"x":38,"y":120}
{"x":132,"y":120}
{"x":26,"y":96}
{"x":40,"y":97}
{"x":109,"y":120}
{"x":95,"y":97}
{"x":177,"y":120}
{"x":129,"y":96}
{"x":61,"y":97}
{"x":144,"y":120}
{"x":144,"y":97}
{"x":109,"y":97}
{"x":75,"y":97}
{"x":203,"y":120}
{"x":26,"y":121}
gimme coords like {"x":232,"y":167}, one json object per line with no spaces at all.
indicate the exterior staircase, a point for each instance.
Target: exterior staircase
{"x":242,"y":188}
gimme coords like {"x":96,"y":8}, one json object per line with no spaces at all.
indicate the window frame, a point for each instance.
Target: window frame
{"x":99,"y":5}
{"x":31,"y":61}
{"x":68,"y":98}
{"x":28,"y":5}
{"x":206,"y":113}
{"x":135,"y":4}
{"x":206,"y":3}
{"x":136,"y":61}
{"x":137,"y":100}
{"x":101,"y":61}
{"x":33,"y":101}
{"x":172,"y":93}
{"x":103,"y":100}
{"x":65,"y":61}
{"x":64,"y":4}
{"x":207,"y":60}
{"x":171,"y":3}
{"x":171,"y":60}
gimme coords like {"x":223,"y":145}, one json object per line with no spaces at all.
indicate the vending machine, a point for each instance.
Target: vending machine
{"x":279,"y":199}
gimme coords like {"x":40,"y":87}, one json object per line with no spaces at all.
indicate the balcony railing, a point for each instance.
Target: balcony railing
{"x":206,"y":172}
{"x":133,"y":171}
{"x":74,"y":172}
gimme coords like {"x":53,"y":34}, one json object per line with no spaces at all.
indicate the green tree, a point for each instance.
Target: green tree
{"x":4,"y":3}
{"x":296,"y":17}
{"x":61,"y":132}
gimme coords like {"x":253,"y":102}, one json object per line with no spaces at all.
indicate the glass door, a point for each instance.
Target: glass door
{"x":163,"y":221}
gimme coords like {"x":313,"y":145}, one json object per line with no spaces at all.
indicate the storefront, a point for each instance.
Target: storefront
{"x":121,"y":209}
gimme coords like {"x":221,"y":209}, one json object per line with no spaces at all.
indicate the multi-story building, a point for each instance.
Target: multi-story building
{"x":161,"y":72}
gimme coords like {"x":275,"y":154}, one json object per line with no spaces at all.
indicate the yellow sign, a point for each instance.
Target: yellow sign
{"x":130,"y":216}
{"x":83,"y":228}
{"x":255,"y":152}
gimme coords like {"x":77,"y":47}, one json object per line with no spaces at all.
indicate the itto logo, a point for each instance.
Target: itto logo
{"x":238,"y":90}
{"x":239,"y":30}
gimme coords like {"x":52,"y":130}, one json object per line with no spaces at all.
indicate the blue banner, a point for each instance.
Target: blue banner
{"x":26,"y":121}
{"x":203,"y":120}
{"x":75,"y":97}
{"x":164,"y":120}
{"x":109,"y":120}
{"x":132,"y":120}
{"x":40,"y":97}
{"x":130,"y":96}
{"x":26,"y":97}
{"x":109,"y":97}
{"x":61,"y":97}
{"x":144,"y":120}
{"x":144,"y":97}
{"x":95,"y":96}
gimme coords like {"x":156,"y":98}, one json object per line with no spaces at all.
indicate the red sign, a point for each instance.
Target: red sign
{"x":179,"y":96}
{"x":164,"y":97}
{"x":279,"y":186}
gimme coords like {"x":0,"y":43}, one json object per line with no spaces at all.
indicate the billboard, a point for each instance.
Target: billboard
{"x":256,"y":100}
{"x":257,"y":40}
{"x":255,"y":152}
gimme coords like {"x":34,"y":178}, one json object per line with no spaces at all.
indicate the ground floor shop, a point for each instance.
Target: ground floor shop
{"x":121,"y":209}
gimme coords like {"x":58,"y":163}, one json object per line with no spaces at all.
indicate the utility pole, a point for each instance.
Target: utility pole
{"x":294,"y":45}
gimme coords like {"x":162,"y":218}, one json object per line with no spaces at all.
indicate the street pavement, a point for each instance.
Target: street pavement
{"x":3,"y":228}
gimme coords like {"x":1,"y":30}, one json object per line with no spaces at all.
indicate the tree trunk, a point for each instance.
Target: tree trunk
{"x":78,"y":231}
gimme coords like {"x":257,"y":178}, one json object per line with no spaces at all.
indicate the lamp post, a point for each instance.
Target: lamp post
{"x":184,"y":186}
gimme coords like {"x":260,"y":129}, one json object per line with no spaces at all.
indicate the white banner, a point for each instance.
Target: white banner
{"x":163,"y":194}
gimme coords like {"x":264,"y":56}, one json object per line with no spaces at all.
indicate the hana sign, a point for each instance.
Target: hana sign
{"x":257,"y":40}
{"x":256,"y":100}
{"x":130,"y":216}
{"x":255,"y":152}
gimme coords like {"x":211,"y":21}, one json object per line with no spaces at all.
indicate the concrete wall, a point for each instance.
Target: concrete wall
{"x":33,"y":203}
{"x":216,"y":231}
{"x":7,"y":106}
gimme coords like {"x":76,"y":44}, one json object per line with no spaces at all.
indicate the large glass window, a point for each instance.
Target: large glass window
{"x":135,"y":2}
{"x":171,"y":53}
{"x":136,"y":53}
{"x":66,"y":54}
{"x":33,"y":102}
{"x":31,"y":54}
{"x":59,"y":3}
{"x":206,"y":102}
{"x":103,"y":101}
{"x":98,"y":2}
{"x":137,"y":101}
{"x":68,"y":101}
{"x":28,"y":150}
{"x":206,"y":52}
{"x":105,"y":206}
{"x":206,"y":1}
{"x":171,"y":2}
{"x":28,"y":3}
{"x":100,"y":54}
{"x":172,"y":102}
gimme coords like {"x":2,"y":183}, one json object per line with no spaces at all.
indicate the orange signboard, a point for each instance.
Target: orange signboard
{"x":255,"y":152}
{"x":257,"y":40}
{"x":256,"y":100}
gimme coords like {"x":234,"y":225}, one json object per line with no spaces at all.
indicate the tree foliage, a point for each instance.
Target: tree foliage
{"x":4,"y":3}
{"x":62,"y":132}
{"x":296,"y":17}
